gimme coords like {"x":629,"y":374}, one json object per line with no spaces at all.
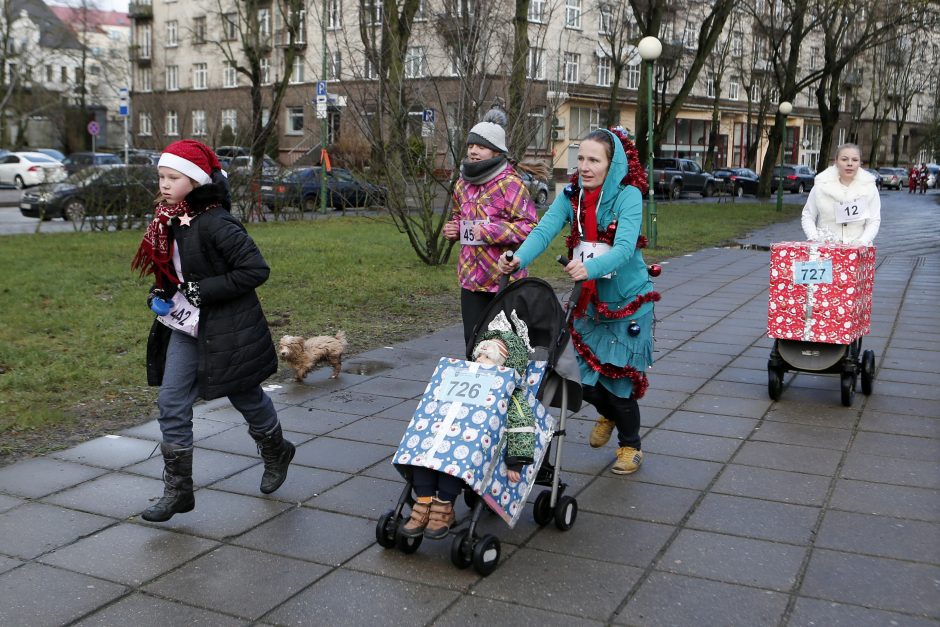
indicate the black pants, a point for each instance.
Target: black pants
{"x":427,"y":482}
{"x":625,"y":412}
{"x":472,"y":306}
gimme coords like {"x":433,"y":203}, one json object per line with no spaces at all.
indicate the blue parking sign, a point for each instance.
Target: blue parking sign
{"x":428,"y":116}
{"x":321,"y":88}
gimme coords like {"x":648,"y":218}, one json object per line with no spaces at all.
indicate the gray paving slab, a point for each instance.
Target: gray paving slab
{"x":302,"y":483}
{"x":755,"y":518}
{"x":144,"y":610}
{"x":37,"y":477}
{"x":220,"y":515}
{"x":36,"y":528}
{"x":39,"y":595}
{"x":816,"y":612}
{"x":886,"y":500}
{"x":882,"y":536}
{"x":115,"y":494}
{"x":109,"y":451}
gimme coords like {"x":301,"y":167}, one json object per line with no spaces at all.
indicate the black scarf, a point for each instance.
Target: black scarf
{"x":479,"y":172}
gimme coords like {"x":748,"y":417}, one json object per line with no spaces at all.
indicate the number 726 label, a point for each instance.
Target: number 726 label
{"x":812,"y":272}
{"x":462,"y":386}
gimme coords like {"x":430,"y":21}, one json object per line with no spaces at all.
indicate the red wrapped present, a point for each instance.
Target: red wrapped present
{"x":820,"y":292}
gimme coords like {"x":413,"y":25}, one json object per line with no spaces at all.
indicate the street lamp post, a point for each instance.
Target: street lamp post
{"x":650,"y":48}
{"x":784,"y":108}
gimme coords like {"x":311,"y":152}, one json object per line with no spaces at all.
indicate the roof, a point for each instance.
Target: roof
{"x":92,"y":19}
{"x":53,"y":33}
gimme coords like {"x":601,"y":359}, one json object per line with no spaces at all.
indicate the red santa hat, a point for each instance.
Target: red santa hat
{"x":192,"y":158}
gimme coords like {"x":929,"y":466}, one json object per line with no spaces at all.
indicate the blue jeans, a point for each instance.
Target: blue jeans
{"x":180,"y":389}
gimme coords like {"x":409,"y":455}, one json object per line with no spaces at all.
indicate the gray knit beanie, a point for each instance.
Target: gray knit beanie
{"x":490,"y":132}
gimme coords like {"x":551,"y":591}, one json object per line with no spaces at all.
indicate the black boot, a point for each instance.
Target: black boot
{"x":177,"y":484}
{"x":276,"y":453}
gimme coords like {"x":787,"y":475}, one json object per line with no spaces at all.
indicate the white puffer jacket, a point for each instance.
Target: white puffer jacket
{"x":819,"y":213}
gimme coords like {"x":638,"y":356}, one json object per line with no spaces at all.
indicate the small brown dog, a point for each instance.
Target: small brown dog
{"x":304,"y":354}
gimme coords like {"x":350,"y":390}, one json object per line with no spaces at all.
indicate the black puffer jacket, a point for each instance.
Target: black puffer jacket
{"x":235,"y":348}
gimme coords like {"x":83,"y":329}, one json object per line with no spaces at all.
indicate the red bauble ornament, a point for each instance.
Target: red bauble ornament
{"x":654,"y":269}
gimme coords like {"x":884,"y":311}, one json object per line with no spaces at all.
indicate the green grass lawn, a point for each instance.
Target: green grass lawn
{"x":74,"y":318}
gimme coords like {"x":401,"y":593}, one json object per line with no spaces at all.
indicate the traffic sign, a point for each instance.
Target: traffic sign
{"x":122,"y":106}
{"x":321,"y":88}
{"x":93,"y":128}
{"x":321,"y":111}
{"x":428,"y":116}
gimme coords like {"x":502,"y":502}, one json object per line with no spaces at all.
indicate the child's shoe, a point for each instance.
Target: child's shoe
{"x":441,"y":518}
{"x":600,"y":434}
{"x":420,"y":513}
{"x":628,"y":461}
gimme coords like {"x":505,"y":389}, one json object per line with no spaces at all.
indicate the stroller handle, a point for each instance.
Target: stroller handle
{"x":504,"y":278}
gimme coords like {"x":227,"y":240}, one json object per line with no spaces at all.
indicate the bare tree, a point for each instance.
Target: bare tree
{"x":618,"y":40}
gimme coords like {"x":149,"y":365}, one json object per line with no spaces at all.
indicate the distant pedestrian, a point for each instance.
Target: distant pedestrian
{"x":923,"y":177}
{"x":492,"y":213}
{"x":844,"y":204}
{"x":912,"y":177}
{"x":612,"y":326}
{"x":214,"y":340}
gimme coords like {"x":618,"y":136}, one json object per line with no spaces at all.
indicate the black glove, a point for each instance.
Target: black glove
{"x":190,"y":290}
{"x":155,"y":292}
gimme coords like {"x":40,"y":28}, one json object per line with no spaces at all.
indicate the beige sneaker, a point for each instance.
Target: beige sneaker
{"x":628,"y":461}
{"x":600,"y":434}
{"x":420,"y":514}
{"x":441,"y":518}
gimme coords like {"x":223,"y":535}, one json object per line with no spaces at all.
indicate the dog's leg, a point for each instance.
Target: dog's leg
{"x":337,"y":364}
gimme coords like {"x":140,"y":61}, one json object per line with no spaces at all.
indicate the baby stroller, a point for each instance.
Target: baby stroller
{"x":551,"y":378}
{"x":818,"y":310}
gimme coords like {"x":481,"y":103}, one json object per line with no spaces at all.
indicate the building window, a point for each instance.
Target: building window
{"x":264,"y":65}
{"x":710,"y":84}
{"x":421,"y":15}
{"x":535,"y":68}
{"x":733,"y":89}
{"x":200,"y":75}
{"x":572,"y":61}
{"x":172,"y":34}
{"x":537,"y":11}
{"x":144,"y":79}
{"x":229,"y":26}
{"x":334,"y":67}
{"x":295,"y":121}
{"x":49,"y":73}
{"x":584,"y":120}
{"x":334,"y":15}
{"x":297,"y":71}
{"x":172,"y":77}
{"x":264,"y":22}
{"x":737,"y":44}
{"x":369,"y":71}
{"x":230,"y":119}
{"x":573,"y":14}
{"x":172,"y":123}
{"x":144,"y":125}
{"x":200,"y":30}
{"x":633,"y":76}
{"x":372,"y":9}
{"x":229,"y":75}
{"x":813,"y":55}
{"x":604,"y":19}
{"x":755,"y":92}
{"x":199,"y":123}
{"x":536,"y":129}
{"x":603,"y":72}
{"x":415,"y":62}
{"x":143,"y":41}
{"x":690,"y":36}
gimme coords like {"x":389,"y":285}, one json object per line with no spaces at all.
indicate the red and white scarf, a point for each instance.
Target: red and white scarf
{"x":155,"y":253}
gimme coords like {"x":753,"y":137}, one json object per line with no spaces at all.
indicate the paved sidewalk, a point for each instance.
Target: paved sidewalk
{"x":746,"y":511}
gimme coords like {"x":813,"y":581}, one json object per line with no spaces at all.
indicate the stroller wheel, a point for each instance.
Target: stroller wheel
{"x":486,"y":555}
{"x":386,"y":528}
{"x":774,"y":383}
{"x":848,"y":388}
{"x":868,"y":371}
{"x":461,"y":550}
{"x":407,"y":544}
{"x":542,"y":510}
{"x":566,"y":512}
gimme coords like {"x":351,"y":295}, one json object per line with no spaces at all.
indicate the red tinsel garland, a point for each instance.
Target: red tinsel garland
{"x":627,"y":310}
{"x":640,"y":382}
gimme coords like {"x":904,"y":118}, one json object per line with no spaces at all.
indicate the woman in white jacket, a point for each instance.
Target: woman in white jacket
{"x":844,"y":203}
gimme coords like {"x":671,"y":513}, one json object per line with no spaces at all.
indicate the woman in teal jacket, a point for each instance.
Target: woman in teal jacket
{"x":612,"y":328}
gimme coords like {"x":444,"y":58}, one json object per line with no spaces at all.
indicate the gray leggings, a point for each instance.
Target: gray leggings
{"x":180,"y":389}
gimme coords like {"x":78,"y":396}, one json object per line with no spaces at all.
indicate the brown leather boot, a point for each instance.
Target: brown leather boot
{"x":441,"y":518}
{"x":420,"y":513}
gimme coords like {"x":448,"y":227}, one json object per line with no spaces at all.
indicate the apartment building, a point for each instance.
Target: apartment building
{"x":186,"y":82}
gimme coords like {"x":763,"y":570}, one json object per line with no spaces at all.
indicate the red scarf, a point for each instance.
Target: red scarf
{"x":588,"y":231}
{"x":154,"y":256}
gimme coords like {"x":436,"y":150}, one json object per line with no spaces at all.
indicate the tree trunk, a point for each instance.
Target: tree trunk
{"x":517,"y":78}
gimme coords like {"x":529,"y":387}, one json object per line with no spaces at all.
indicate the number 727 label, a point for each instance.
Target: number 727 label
{"x":812,"y":272}
{"x":462,"y":386}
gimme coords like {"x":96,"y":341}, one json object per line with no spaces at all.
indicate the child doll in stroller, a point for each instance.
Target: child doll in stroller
{"x":433,"y":512}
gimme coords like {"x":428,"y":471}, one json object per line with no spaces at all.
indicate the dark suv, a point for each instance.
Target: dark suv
{"x":796,"y":178}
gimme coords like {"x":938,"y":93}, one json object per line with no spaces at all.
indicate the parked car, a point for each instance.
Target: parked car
{"x":80,"y":160}
{"x":301,"y":188}
{"x":894,"y":178}
{"x":142,"y":157}
{"x":796,"y":178}
{"x":244,"y":163}
{"x":738,"y":181}
{"x":232,"y":151}
{"x":23,"y":169}
{"x":51,"y":152}
{"x":538,"y":189}
{"x":108,"y":190}
{"x":933,"y":170}
{"x":675,"y":176}
{"x":879,"y":180}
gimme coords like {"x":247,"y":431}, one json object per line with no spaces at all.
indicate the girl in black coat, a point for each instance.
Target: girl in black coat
{"x":210,"y":337}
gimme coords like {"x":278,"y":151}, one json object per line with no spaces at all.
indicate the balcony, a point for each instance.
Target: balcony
{"x":852,"y":79}
{"x":140,"y":10}
{"x":282,"y":39}
{"x":141,"y":55}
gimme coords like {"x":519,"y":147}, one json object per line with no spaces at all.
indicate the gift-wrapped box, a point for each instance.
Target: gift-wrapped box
{"x":820,"y":292}
{"x":462,"y":433}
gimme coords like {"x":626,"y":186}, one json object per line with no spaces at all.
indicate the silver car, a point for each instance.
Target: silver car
{"x":538,"y":189}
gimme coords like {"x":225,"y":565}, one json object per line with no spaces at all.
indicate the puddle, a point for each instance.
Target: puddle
{"x":366,"y":367}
